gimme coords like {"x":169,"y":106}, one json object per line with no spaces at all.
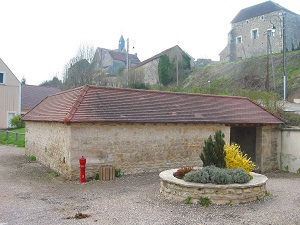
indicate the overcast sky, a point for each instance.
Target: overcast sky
{"x":39,"y":37}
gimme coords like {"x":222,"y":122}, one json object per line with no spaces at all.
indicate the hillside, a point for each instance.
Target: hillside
{"x":249,"y":74}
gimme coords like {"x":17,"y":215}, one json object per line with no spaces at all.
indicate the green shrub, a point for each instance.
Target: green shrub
{"x":215,"y":175}
{"x":292,"y":119}
{"x":213,"y":151}
{"x":198,"y":176}
{"x":222,"y":176}
{"x":240,"y":176}
{"x":16,"y":122}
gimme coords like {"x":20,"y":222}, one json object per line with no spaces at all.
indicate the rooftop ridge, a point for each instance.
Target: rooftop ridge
{"x":76,"y":104}
{"x":156,"y":56}
{"x":166,"y":92}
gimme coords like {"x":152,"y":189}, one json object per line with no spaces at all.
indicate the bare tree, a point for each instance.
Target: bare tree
{"x":85,"y":51}
{"x":77,"y":71}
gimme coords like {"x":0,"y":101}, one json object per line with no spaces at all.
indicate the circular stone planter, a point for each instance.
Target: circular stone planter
{"x":178,"y":190}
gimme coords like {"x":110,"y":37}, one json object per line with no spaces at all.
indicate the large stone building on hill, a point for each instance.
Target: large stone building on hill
{"x":258,"y":29}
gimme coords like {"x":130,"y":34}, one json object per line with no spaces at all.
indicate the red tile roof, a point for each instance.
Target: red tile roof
{"x":32,"y":95}
{"x":106,"y":104}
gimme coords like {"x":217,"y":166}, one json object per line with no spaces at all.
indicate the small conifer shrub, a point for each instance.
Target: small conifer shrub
{"x":213,"y":151}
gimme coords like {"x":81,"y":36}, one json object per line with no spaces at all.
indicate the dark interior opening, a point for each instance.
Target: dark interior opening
{"x":246,"y":138}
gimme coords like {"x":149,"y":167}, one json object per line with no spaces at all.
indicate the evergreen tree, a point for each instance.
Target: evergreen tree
{"x":213,"y":151}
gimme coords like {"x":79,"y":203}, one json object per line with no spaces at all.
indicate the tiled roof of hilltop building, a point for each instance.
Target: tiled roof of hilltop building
{"x":106,"y":104}
{"x":157,"y":56}
{"x":121,"y":56}
{"x":258,"y":10}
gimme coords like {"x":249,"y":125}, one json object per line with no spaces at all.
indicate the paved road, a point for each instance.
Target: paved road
{"x":295,"y":107}
{"x":31,"y":194}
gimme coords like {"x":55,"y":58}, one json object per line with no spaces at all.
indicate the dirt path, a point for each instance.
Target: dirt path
{"x":31,"y":194}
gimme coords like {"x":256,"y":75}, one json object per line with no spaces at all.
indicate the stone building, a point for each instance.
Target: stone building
{"x":258,"y":29}
{"x":149,"y":67}
{"x":142,"y":131}
{"x":106,"y":65}
{"x":112,"y":61}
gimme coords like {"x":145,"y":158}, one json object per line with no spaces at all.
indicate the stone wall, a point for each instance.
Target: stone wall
{"x":150,"y":72}
{"x":134,"y":148}
{"x":178,"y":190}
{"x":266,"y":148}
{"x":288,"y":149}
{"x":50,"y":143}
{"x":137,"y":148}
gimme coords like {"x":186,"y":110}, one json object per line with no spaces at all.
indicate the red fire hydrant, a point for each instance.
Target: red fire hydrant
{"x":82,"y":163}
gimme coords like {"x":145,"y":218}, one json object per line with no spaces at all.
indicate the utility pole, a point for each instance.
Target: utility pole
{"x":177,"y":69}
{"x":283,"y":49}
{"x":284,"y":56}
{"x":267,"y":86}
{"x":127,"y":62}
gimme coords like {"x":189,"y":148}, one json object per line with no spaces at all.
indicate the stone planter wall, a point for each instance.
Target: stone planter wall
{"x":178,"y":190}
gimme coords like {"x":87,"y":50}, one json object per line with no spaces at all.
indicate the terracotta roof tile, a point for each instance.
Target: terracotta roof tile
{"x":106,"y":104}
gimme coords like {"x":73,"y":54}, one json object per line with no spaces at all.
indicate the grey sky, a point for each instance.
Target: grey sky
{"x":39,"y":37}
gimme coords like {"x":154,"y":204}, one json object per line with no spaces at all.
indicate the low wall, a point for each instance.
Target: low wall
{"x":289,"y":150}
{"x":178,"y":190}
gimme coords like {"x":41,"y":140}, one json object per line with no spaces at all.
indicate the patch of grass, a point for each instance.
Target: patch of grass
{"x":204,"y":201}
{"x":54,"y":173}
{"x":31,"y":158}
{"x":298,"y":171}
{"x":188,"y":200}
{"x":229,"y":203}
{"x":267,"y":193}
{"x":12,"y":137}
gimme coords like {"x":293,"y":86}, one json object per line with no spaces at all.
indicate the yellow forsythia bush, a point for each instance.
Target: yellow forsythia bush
{"x":235,"y":158}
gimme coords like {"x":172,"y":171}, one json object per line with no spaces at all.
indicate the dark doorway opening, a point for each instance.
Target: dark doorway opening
{"x":246,"y":138}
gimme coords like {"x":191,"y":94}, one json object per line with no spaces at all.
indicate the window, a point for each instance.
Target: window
{"x":1,"y":77}
{"x":238,"y":40}
{"x":270,"y":33}
{"x":254,"y":34}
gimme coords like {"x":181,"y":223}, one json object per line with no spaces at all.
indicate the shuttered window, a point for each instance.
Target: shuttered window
{"x":1,"y":78}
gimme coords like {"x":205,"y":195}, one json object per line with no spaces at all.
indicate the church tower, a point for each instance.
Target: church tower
{"x":122,"y":44}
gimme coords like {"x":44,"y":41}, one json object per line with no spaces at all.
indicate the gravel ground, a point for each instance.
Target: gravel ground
{"x":31,"y":194}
